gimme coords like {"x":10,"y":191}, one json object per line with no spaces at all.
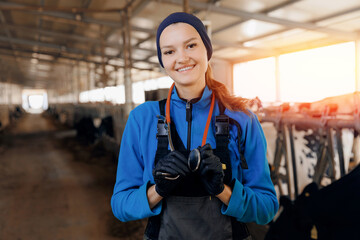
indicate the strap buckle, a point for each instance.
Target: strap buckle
{"x":222,"y":125}
{"x":162,"y":128}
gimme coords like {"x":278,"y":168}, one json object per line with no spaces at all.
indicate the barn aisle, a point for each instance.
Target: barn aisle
{"x":47,"y":191}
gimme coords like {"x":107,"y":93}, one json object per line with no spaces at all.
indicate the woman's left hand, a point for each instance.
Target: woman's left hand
{"x":212,"y":174}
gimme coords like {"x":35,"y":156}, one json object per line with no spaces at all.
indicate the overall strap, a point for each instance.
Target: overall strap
{"x":162,"y":133}
{"x":153,"y":224}
{"x":222,"y":137}
{"x":222,"y":129}
{"x":243,"y":162}
{"x":239,"y":229}
{"x":162,"y":107}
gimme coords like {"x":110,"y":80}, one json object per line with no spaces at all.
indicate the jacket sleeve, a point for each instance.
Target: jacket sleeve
{"x":129,"y":200}
{"x":254,"y":199}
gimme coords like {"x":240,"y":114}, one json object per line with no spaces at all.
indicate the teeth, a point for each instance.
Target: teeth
{"x":184,"y":69}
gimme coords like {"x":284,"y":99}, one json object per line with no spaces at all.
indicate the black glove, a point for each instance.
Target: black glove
{"x":169,"y":171}
{"x":211,"y":172}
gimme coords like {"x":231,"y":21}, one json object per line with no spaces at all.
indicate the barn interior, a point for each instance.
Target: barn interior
{"x":72,"y":71}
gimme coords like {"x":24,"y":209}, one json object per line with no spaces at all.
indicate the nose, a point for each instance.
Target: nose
{"x":183,"y":56}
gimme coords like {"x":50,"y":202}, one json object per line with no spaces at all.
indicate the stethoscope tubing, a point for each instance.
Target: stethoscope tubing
{"x":172,"y":148}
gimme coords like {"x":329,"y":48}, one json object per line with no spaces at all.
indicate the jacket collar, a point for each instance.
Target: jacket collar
{"x":204,"y":101}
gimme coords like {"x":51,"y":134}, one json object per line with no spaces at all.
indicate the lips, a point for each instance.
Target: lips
{"x":183,"y":69}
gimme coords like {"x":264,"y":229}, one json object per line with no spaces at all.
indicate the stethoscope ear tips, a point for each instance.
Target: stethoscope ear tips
{"x":194,"y":160}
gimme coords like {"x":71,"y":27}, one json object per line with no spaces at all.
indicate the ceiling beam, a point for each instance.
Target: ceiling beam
{"x":265,"y":11}
{"x":139,"y":7}
{"x":74,"y":18}
{"x":223,"y":44}
{"x":76,"y":10}
{"x":265,"y":18}
{"x":289,"y":49}
{"x":66,"y":58}
{"x":69,"y":16}
{"x":133,"y":12}
{"x":60,"y":49}
{"x":334,"y":15}
{"x":70,"y":36}
{"x":212,"y":8}
{"x":86,"y":3}
{"x":8,"y":39}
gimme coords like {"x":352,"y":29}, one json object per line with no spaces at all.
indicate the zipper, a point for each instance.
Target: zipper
{"x":188,"y":119}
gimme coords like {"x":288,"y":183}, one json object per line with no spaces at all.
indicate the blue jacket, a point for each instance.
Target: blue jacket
{"x":253,"y":198}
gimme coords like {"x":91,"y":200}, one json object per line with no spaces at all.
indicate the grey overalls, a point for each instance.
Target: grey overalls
{"x":190,"y":213}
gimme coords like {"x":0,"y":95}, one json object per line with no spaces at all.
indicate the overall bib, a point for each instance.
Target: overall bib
{"x":190,"y":213}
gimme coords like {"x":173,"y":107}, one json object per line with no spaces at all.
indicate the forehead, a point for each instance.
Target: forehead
{"x":177,"y":33}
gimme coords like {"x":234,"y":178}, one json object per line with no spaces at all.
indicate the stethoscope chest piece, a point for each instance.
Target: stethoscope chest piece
{"x":194,"y":160}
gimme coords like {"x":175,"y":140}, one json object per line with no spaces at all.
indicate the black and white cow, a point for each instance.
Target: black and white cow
{"x":330,"y":213}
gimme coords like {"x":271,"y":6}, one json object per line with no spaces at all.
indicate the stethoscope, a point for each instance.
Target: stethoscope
{"x":194,"y":158}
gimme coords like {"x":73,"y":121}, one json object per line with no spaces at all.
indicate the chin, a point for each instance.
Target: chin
{"x":185,"y":82}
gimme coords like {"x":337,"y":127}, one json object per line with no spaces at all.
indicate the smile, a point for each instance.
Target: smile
{"x":185,"y":68}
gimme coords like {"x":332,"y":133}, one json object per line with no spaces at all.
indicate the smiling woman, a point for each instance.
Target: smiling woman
{"x":195,"y":164}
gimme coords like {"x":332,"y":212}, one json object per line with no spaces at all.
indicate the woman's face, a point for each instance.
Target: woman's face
{"x":184,"y":56}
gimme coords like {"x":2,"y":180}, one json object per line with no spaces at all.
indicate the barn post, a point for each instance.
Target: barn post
{"x":277,"y":79}
{"x":186,"y":6}
{"x":78,"y":82}
{"x":287,"y":156}
{"x":293,"y":158}
{"x":340,"y":149}
{"x":127,"y":62}
{"x":357,"y":65}
{"x":331,"y":154}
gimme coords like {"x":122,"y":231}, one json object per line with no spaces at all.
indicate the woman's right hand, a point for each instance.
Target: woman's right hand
{"x":169,"y":171}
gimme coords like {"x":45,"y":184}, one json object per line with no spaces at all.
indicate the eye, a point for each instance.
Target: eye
{"x":192,"y":45}
{"x":168,"y":52}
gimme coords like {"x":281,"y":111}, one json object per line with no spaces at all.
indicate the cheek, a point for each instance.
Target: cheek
{"x":167,"y":62}
{"x":202,"y":57}
{"x":204,"y":62}
{"x":167,"y":67}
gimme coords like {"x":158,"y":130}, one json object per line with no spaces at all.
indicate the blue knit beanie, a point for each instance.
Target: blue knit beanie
{"x":185,"y":18}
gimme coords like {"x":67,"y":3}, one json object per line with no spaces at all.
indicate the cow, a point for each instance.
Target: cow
{"x":332,"y":212}
{"x":106,"y":127}
{"x":86,"y":130}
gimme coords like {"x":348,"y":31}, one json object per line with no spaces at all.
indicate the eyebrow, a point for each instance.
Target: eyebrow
{"x":189,"y":40}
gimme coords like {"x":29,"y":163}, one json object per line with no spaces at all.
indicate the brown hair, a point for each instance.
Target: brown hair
{"x":222,"y":94}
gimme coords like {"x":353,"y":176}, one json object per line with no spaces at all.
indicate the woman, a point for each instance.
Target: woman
{"x":198,"y":171}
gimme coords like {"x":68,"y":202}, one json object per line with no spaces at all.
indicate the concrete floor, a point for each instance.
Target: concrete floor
{"x":52,"y":187}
